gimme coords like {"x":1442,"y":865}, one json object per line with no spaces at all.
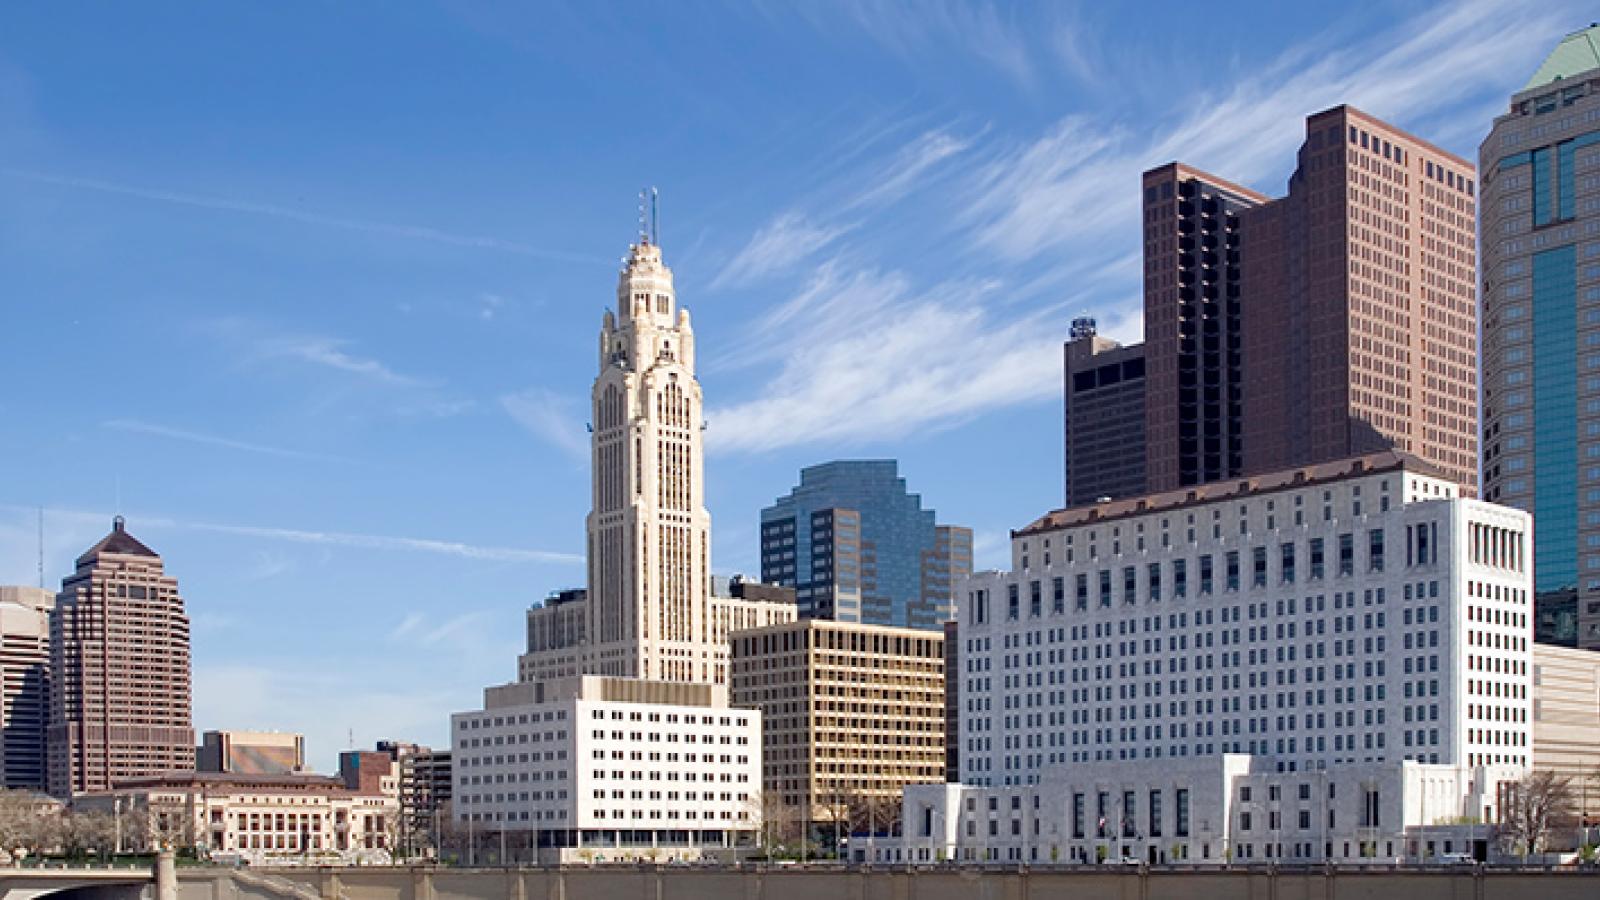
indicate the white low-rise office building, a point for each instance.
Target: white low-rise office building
{"x":620,"y":768}
{"x":1343,"y":619}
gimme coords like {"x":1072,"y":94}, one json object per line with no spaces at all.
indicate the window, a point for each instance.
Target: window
{"x":1077,"y":815}
{"x":1153,"y":577}
{"x":1059,"y":599}
{"x":1347,"y":554}
{"x":1012,"y":603}
{"x":1105,"y":588}
{"x":1035,"y":599}
{"x":1231,"y":570}
{"x":1375,"y":550}
{"x":1180,"y":578}
{"x":1316,"y":559}
{"x":1154,"y":813}
{"x":1258,"y":567}
{"x":1205,"y":574}
{"x":1286,"y":563}
{"x":1182,"y":811}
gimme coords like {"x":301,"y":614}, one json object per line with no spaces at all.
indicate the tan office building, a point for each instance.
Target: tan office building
{"x":119,"y":706}
{"x":851,"y":712}
{"x":252,"y":752}
{"x":1566,"y":718}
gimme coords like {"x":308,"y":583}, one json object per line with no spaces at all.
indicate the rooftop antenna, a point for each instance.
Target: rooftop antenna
{"x":644,"y":234}
{"x":654,"y":237}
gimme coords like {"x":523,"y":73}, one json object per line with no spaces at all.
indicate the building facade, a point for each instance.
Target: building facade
{"x":251,"y":752}
{"x":1352,"y":612}
{"x":427,"y":779}
{"x":1103,"y":395}
{"x":259,"y":819}
{"x":1541,"y":324}
{"x":851,"y":714}
{"x":1566,"y":720}
{"x":24,"y":685}
{"x":1208,"y":810}
{"x":649,"y":533}
{"x":1351,"y":623}
{"x":119,"y":641}
{"x":1193,"y":327}
{"x":617,"y":767}
{"x":857,"y":547}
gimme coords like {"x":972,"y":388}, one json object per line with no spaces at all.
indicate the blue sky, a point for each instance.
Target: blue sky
{"x":312,"y":290}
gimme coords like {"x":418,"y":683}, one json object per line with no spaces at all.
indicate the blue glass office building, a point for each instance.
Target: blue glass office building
{"x":1540,"y":241}
{"x":858,"y":547}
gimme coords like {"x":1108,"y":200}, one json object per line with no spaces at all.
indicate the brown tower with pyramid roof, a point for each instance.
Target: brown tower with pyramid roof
{"x":120,"y":670}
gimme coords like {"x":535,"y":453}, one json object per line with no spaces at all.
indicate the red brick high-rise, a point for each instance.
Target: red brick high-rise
{"x":1335,"y":321}
{"x":119,"y":639}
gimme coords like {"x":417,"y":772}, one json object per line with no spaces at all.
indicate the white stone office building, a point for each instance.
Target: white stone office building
{"x":1350,"y":620}
{"x":622,"y":768}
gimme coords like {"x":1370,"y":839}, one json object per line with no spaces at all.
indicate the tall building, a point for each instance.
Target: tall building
{"x":850,"y":714}
{"x":1334,"y":321}
{"x":1541,"y":325}
{"x":1350,"y":623}
{"x":1359,"y":316}
{"x":24,"y":685}
{"x":119,"y":643}
{"x":1104,"y":404}
{"x":251,"y":752}
{"x":644,"y":649}
{"x":1193,"y":329}
{"x":857,"y":547}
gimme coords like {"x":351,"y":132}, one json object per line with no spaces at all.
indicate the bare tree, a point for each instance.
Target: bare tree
{"x":85,"y":832}
{"x":28,"y":824}
{"x":1534,"y":807}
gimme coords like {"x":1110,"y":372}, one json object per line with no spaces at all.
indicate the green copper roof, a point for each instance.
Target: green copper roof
{"x":1577,"y":52}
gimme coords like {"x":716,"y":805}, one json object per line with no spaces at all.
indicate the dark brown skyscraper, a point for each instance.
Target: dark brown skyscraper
{"x":1194,"y":409}
{"x":1359,"y":311}
{"x":120,"y":670}
{"x":1335,"y":321}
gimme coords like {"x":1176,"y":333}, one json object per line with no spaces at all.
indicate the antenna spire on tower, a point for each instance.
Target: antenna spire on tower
{"x":654,"y":222}
{"x":644,"y":233}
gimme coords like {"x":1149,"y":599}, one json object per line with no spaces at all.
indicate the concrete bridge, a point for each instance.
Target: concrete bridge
{"x":67,"y":883}
{"x":864,"y":883}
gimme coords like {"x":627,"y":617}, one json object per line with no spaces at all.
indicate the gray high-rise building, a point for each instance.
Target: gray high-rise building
{"x":857,"y":547}
{"x":1103,"y":400}
{"x":1540,"y":167}
{"x":24,"y":685}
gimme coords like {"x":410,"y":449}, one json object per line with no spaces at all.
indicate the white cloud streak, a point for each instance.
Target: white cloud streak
{"x":777,"y":248}
{"x":410,"y":232}
{"x":328,"y":352}
{"x":551,"y":418}
{"x":352,"y":540}
{"x":864,"y":352}
{"x":136,"y":426}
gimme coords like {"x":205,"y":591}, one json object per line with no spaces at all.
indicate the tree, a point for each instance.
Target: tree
{"x":28,"y":824}
{"x":1532,"y":808}
{"x":85,"y":832}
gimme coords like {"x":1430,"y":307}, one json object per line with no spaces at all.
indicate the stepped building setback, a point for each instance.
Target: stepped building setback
{"x":581,"y":755}
{"x":1331,"y":322}
{"x":120,"y":670}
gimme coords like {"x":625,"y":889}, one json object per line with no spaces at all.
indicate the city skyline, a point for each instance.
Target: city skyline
{"x":360,"y":388}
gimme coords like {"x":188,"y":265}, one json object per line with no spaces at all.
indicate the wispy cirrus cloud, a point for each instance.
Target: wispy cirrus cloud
{"x":351,"y":540}
{"x":777,"y":248}
{"x":222,"y":204}
{"x":136,"y":426}
{"x":870,"y":352}
{"x":330,"y":353}
{"x":550,"y":417}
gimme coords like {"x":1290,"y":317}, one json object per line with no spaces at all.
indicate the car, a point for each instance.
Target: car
{"x":1130,"y":861}
{"x":1455,"y":859}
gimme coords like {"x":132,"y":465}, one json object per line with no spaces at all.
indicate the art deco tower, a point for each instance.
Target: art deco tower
{"x":119,"y":643}
{"x":649,"y":608}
